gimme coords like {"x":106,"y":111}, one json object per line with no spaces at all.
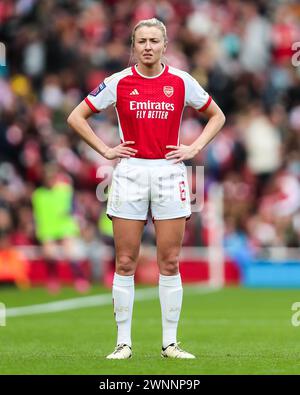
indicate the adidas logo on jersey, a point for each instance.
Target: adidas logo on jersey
{"x":134,"y":92}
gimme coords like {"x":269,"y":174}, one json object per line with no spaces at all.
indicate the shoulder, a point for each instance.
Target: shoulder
{"x":180,"y":73}
{"x":191,"y":84}
{"x":116,"y":77}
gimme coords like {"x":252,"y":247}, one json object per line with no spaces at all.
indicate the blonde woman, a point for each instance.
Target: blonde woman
{"x":149,"y":99}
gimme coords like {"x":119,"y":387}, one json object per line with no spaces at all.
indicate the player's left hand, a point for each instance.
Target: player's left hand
{"x":180,"y":152}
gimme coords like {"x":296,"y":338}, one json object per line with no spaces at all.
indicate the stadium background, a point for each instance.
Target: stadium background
{"x":241,"y":53}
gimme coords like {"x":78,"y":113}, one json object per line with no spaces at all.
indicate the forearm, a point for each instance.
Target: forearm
{"x":211,"y":129}
{"x":81,"y":126}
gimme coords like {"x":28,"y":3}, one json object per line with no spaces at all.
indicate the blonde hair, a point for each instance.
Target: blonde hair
{"x":153,"y":22}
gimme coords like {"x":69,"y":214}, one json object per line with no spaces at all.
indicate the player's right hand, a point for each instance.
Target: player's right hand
{"x":120,"y":151}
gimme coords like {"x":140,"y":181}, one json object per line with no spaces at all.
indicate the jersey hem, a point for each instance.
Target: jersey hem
{"x":125,"y":216}
{"x":178,"y":215}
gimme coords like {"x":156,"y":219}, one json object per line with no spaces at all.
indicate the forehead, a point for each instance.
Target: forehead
{"x":148,"y":32}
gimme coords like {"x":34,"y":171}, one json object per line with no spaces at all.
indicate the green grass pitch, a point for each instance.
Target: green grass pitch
{"x":231,"y":331}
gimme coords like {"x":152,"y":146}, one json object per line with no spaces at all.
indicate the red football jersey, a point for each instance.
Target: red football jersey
{"x":149,"y":109}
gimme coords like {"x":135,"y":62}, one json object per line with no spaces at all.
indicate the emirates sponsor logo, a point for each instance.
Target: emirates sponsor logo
{"x":151,"y":110}
{"x":150,"y":105}
{"x":168,"y":91}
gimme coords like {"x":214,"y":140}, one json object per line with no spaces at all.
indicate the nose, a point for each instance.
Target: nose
{"x":148,"y":45}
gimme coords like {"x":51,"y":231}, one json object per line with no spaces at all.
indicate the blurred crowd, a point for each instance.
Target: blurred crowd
{"x":242,"y":52}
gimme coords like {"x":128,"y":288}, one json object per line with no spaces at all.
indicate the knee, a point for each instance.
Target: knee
{"x":169,"y":265}
{"x":125,"y":265}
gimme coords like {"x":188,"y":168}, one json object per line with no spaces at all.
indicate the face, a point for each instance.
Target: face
{"x":149,"y":45}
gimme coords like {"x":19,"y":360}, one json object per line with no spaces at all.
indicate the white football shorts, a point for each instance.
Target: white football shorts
{"x":142,"y":184}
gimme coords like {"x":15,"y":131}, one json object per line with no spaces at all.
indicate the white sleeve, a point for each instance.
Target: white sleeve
{"x":103,"y":96}
{"x":195,"y":95}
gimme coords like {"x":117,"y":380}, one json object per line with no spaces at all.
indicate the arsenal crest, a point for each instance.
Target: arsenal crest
{"x":168,"y":91}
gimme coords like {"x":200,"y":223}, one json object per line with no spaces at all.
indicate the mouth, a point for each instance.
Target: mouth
{"x":147,"y":55}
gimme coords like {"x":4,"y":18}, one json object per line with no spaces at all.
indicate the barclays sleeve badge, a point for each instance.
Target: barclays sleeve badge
{"x":97,"y":90}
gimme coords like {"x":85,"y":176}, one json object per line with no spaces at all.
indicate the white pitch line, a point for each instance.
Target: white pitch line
{"x":86,"y":301}
{"x":73,"y":304}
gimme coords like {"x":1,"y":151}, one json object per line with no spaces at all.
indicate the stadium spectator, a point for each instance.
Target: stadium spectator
{"x":13,"y":264}
{"x":56,"y":228}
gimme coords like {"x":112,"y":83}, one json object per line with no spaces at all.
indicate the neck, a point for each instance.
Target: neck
{"x":150,"y":70}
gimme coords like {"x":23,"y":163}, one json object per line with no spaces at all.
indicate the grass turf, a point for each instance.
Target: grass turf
{"x":232,"y":331}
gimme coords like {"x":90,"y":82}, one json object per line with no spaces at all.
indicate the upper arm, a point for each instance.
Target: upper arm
{"x":213,"y":109}
{"x":199,"y":99}
{"x":103,"y":96}
{"x":82,"y":111}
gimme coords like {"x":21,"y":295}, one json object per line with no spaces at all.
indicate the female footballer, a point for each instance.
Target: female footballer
{"x":149,"y":99}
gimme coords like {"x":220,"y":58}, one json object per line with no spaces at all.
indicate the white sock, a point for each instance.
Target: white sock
{"x":123,"y":297}
{"x":170,"y":295}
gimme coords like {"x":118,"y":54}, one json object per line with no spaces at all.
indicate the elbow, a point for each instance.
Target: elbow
{"x":222,"y":118}
{"x":70,"y":120}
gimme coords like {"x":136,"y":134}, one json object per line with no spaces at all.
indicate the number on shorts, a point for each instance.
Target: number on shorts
{"x":182,"y":191}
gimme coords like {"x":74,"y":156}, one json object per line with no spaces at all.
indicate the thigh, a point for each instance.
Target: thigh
{"x":127,"y":237}
{"x":170,"y":196}
{"x":129,"y":193}
{"x":169,"y":236}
